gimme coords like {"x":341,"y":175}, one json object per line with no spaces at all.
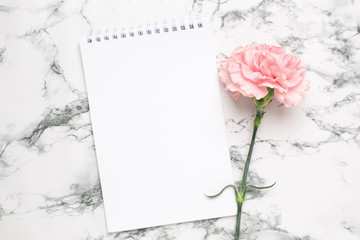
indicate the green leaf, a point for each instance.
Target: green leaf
{"x":266,"y":187}
{"x":230,"y":185}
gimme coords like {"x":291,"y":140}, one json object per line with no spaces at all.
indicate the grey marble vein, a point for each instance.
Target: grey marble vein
{"x":58,"y":117}
{"x":2,"y":53}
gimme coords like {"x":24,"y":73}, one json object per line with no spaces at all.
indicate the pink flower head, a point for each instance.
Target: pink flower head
{"x":250,"y":70}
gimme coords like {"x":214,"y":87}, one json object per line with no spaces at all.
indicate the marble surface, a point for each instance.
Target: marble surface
{"x":49,"y":184}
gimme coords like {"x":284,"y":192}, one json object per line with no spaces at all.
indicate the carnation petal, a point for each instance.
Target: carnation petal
{"x":252,"y":69}
{"x":233,"y":66}
{"x":249,"y":73}
{"x":226,"y":79}
{"x":249,"y":58}
{"x":280,"y":96}
{"x":297,"y":77}
{"x":247,"y":87}
{"x":273,"y":85}
{"x":224,"y":73}
{"x":235,"y":95}
{"x":265,"y":71}
{"x":296,"y":94}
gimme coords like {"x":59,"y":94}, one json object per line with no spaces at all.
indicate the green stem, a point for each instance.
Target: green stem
{"x":240,"y":198}
{"x":238,"y":220}
{"x":247,"y":163}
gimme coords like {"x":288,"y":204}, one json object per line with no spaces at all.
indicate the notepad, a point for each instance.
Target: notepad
{"x":158,"y":124}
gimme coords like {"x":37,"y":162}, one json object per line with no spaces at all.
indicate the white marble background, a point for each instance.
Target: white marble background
{"x":49,"y":185}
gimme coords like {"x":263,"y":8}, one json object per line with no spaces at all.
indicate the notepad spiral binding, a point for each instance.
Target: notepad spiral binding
{"x":155,"y":28}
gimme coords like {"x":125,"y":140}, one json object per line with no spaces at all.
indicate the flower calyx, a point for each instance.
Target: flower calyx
{"x":261,"y":104}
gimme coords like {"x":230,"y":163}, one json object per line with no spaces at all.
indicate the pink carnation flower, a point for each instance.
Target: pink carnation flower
{"x":251,"y":70}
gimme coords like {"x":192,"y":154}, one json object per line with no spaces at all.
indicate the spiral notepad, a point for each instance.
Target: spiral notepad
{"x":158,"y":124}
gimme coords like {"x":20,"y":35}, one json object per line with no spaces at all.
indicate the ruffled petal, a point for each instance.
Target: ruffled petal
{"x":251,"y":70}
{"x":294,"y":95}
{"x":248,"y":88}
{"x":224,"y":73}
{"x":249,"y":73}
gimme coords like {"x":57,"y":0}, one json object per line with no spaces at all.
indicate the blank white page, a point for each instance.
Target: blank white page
{"x":158,"y":127}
